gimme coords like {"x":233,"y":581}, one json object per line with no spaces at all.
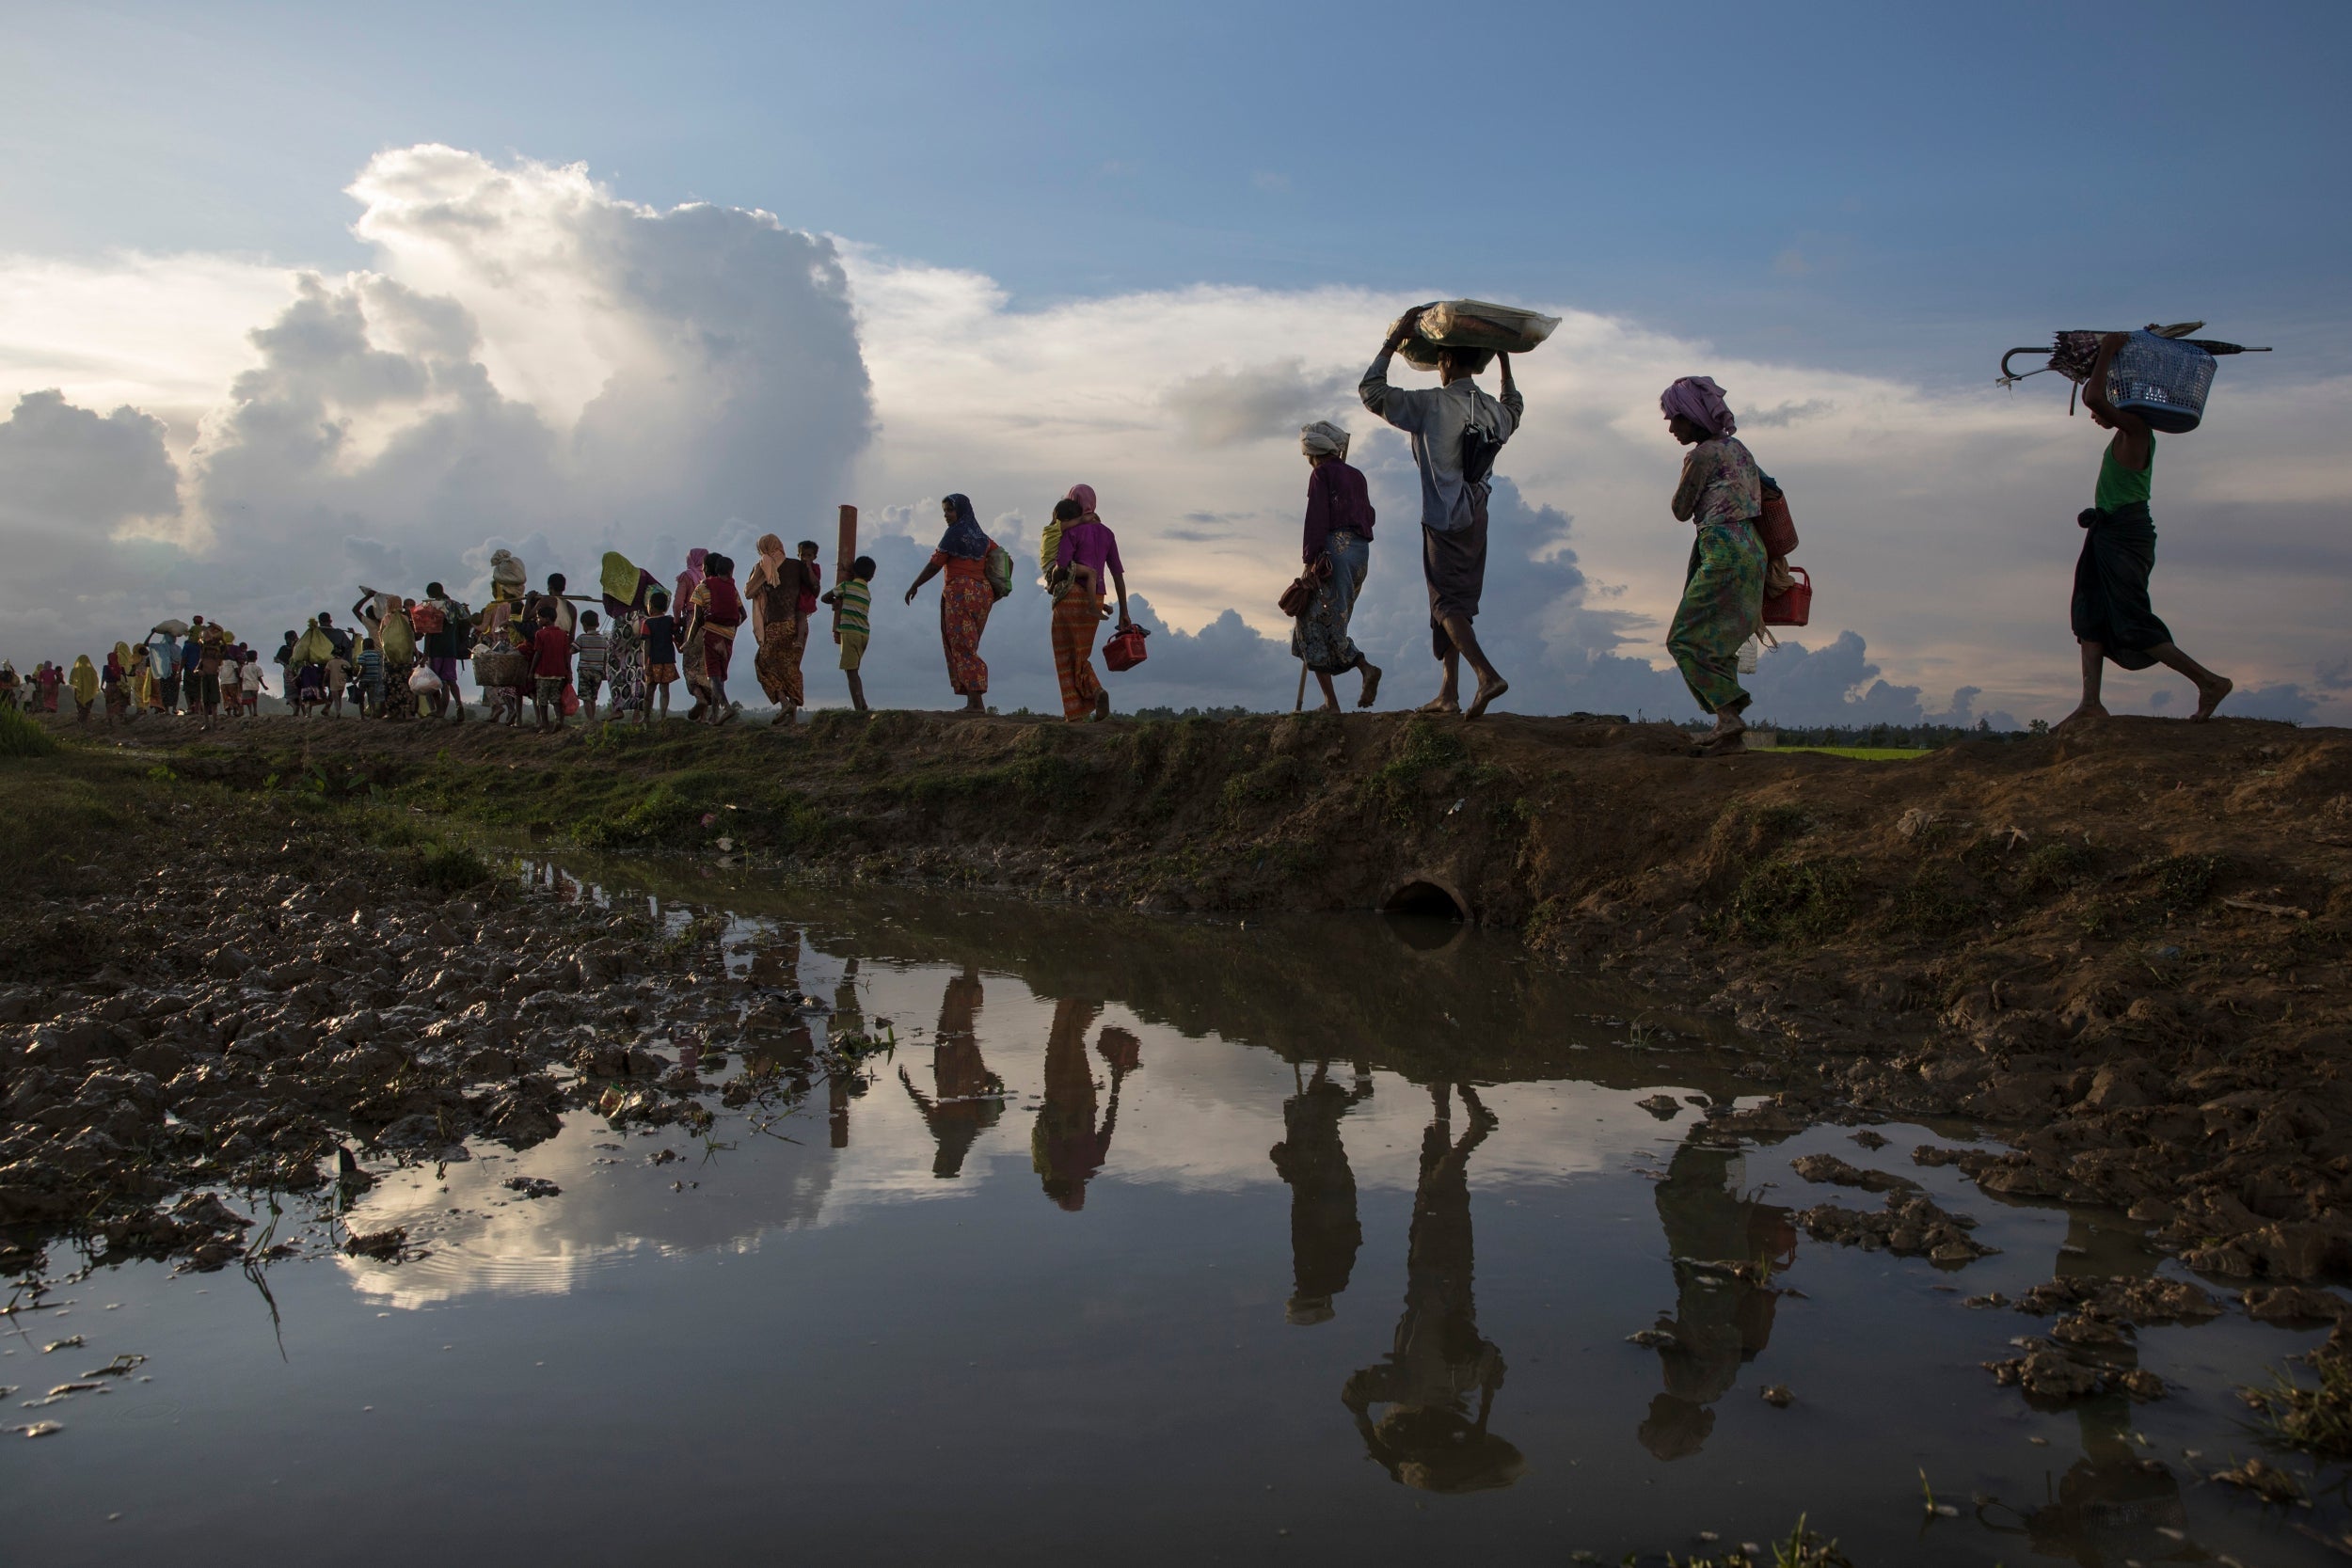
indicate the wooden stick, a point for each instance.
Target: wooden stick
{"x":1300,"y":705}
{"x":844,"y":552}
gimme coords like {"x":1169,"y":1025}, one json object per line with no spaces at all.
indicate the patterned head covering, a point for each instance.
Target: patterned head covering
{"x":963,"y":539}
{"x":1324,"y":440}
{"x":1697,"y":399}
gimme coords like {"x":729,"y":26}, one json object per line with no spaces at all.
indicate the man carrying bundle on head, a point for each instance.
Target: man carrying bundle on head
{"x":1457,"y":430}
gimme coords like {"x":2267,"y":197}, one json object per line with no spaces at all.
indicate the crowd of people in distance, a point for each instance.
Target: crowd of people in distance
{"x":544,"y":653}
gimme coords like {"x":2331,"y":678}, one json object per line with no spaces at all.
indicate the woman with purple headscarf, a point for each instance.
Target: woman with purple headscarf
{"x":1723,"y":591}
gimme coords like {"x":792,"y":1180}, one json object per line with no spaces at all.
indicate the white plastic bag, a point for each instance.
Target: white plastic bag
{"x":1749,"y":653}
{"x":423,"y":682}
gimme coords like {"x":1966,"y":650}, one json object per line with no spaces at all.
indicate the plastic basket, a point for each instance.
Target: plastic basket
{"x":1125,"y":650}
{"x":1795,"y":607}
{"x":2162,"y":380}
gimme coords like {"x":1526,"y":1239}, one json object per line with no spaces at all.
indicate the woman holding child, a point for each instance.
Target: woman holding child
{"x":718,"y":611}
{"x":781,"y":591}
{"x":964,"y":599}
{"x":1083,"y":551}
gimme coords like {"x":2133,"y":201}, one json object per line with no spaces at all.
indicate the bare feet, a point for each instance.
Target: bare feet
{"x":1488,"y":692}
{"x":1440,"y":704}
{"x":1102,"y":706}
{"x":1730,"y":734}
{"x":2092,"y":710}
{"x":1371,"y":685}
{"x":2209,"y":697}
{"x":1326,"y":707}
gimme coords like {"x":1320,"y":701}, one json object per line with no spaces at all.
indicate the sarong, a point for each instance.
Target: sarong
{"x":628,"y":675}
{"x":2111,"y":605}
{"x":1723,"y":603}
{"x":691,"y":667}
{"x":964,"y":601}
{"x":718,"y":652}
{"x":1319,"y":636}
{"x":1454,"y":567}
{"x":399,"y":702}
{"x":1077,"y":621}
{"x":778,"y":662}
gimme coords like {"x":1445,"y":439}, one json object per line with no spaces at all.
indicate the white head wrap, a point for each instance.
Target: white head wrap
{"x":1323,"y":440}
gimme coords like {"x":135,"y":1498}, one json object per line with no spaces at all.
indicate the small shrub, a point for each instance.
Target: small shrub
{"x":451,"y":868}
{"x":2316,"y":1420}
{"x":2183,"y":881}
{"x":2055,"y":866}
{"x":1930,"y":906}
{"x":1785,"y":899}
{"x":1425,"y":749}
{"x":21,"y":737}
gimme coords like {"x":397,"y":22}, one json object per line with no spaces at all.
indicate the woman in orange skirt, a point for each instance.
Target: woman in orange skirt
{"x":1085,"y":553}
{"x":964,"y":599}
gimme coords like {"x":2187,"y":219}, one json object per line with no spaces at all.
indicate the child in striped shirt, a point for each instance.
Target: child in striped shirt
{"x":855,"y":600}
{"x":595,"y":658}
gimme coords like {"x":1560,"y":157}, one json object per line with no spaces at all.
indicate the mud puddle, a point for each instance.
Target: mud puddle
{"x":1001,"y":1231}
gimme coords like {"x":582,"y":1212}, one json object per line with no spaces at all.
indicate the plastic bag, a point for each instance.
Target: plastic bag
{"x":1475,"y":323}
{"x":423,"y":682}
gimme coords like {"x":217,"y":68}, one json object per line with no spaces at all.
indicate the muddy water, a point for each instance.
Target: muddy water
{"x":1148,"y":1242}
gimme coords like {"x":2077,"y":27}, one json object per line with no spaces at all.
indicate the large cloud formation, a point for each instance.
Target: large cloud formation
{"x":532,"y":361}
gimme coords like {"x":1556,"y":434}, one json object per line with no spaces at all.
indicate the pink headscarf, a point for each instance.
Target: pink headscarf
{"x":689,"y":579}
{"x":1697,"y":399}
{"x":1084,"y":496}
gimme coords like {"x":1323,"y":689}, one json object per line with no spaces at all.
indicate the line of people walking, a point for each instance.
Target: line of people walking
{"x":544,"y":653}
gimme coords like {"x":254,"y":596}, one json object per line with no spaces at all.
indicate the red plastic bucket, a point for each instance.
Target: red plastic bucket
{"x":1794,"y":608}
{"x":1125,"y":650}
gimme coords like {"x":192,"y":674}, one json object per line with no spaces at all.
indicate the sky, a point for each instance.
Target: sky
{"x":294,"y":298}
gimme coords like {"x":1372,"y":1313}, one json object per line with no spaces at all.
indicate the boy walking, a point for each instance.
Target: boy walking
{"x":595,"y":655}
{"x":549,"y":649}
{"x":854,"y":599}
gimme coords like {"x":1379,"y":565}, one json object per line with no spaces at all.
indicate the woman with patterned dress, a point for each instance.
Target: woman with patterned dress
{"x":1337,"y":553}
{"x":964,"y":599}
{"x":1723,"y":591}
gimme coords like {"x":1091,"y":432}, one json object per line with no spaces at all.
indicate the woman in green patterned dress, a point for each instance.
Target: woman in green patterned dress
{"x":1722,"y":592}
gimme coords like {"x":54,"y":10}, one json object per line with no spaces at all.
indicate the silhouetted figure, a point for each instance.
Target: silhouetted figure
{"x":1427,"y":1438}
{"x":1066,"y":1145}
{"x":964,"y":1101}
{"x":1725,"y":1248}
{"x":1324,"y":1232}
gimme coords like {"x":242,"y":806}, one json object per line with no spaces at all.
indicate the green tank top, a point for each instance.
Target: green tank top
{"x":2118,"y":487}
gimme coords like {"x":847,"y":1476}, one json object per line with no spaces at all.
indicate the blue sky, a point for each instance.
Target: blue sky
{"x":1138,"y":245}
{"x":1899,"y":188}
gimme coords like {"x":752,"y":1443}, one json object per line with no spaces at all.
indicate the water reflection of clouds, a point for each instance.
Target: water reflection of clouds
{"x":1194,"y":1113}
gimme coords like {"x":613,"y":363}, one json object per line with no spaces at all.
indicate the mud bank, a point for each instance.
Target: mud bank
{"x":2123,"y":946}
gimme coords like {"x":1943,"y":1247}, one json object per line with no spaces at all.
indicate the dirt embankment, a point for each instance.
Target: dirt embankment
{"x":2125,"y":944}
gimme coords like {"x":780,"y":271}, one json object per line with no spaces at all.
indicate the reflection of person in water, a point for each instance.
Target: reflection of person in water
{"x":1066,"y":1146}
{"x":2111,"y":1502}
{"x":1427,"y":1438}
{"x":1325,"y":1233}
{"x":1725,"y":1248}
{"x":966,"y":1102}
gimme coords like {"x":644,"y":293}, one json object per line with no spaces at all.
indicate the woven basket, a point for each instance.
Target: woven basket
{"x":498,"y":669}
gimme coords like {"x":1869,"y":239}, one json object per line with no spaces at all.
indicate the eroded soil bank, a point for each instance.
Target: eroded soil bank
{"x":2124,"y":945}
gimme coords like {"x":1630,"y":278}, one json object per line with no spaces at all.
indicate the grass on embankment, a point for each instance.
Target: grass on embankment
{"x":1861,"y":753}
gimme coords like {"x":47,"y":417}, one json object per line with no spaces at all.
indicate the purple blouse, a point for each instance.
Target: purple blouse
{"x":1337,"y":498}
{"x":1091,"y":546}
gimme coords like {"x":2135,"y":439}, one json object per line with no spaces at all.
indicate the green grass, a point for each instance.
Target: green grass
{"x":1861,"y":753}
{"x":1790,"y":900}
{"x":21,"y":737}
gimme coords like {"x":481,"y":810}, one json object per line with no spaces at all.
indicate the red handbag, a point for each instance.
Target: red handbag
{"x":1774,"y":527}
{"x":1125,"y":650}
{"x":1793,"y":607}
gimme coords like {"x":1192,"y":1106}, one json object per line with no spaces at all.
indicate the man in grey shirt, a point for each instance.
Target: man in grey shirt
{"x":1456,"y":429}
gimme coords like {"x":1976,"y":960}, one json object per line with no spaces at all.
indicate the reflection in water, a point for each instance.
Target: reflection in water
{"x":1726,"y":1249}
{"x":2113,"y":1502}
{"x":1426,"y":1438}
{"x":1325,"y":1233}
{"x":965,"y":1099}
{"x":1066,"y":1145}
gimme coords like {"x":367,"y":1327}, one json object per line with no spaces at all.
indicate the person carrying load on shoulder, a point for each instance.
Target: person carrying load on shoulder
{"x":2112,"y":615}
{"x":1456,"y":429}
{"x":1723,"y":588}
{"x":1337,"y":552}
